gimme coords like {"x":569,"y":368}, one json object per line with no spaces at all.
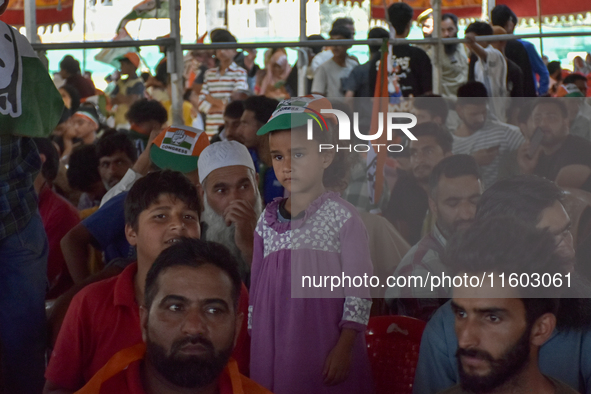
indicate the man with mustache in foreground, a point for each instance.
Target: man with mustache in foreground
{"x":190,"y":324}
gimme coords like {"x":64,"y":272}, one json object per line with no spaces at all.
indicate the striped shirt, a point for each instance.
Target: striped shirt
{"x":220,"y":87}
{"x":494,"y":133}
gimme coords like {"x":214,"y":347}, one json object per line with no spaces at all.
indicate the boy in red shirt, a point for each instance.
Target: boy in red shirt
{"x":103,"y":318}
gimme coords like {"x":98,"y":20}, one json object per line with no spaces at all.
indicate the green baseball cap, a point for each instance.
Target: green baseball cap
{"x":296,"y":111}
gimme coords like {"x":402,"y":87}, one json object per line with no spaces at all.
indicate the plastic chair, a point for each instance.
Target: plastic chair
{"x":393,"y":347}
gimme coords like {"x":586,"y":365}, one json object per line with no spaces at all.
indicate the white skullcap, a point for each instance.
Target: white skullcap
{"x":223,"y":154}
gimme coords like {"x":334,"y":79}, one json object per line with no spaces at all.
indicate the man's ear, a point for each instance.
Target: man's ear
{"x":43,"y":158}
{"x":542,"y":329}
{"x":239,"y":320}
{"x":144,"y":322}
{"x":131,"y":235}
{"x":448,"y":154}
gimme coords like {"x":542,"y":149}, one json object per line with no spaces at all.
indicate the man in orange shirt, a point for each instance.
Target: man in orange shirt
{"x":190,"y":324}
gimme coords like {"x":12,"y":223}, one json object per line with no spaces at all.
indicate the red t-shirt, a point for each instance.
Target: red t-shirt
{"x":59,"y":217}
{"x":103,"y":319}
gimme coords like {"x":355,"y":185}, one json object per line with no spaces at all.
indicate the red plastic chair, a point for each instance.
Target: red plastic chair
{"x":393,"y":347}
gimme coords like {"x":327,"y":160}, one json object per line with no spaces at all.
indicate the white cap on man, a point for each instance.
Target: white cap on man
{"x":223,"y":154}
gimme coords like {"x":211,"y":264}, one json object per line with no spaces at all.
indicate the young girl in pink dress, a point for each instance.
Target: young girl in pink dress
{"x":308,"y":339}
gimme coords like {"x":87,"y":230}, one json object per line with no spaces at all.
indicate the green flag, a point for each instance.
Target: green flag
{"x":30,"y":104}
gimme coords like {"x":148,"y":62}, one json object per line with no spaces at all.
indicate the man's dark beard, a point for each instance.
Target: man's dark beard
{"x":502,"y":369}
{"x":450,"y":49}
{"x":189,"y":371}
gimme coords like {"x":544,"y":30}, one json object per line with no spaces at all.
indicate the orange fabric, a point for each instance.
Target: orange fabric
{"x":116,"y":364}
{"x":121,"y":360}
{"x":381,"y":99}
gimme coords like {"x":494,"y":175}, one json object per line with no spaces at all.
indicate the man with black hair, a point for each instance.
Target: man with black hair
{"x":412,"y":64}
{"x":490,"y":67}
{"x":345,"y":22}
{"x":59,"y":216}
{"x":329,"y":76}
{"x":560,"y":156}
{"x":116,"y":155}
{"x":219,"y":83}
{"x":292,"y":80}
{"x":555,"y":74}
{"x":232,"y":114}
{"x":500,"y":330}
{"x":190,"y":323}
{"x":408,"y":205}
{"x":128,"y":90}
{"x":357,"y":83}
{"x":580,"y":81}
{"x":537,"y":203}
{"x":518,"y":52}
{"x":70,"y":72}
{"x":430,"y":108}
{"x":515,"y":76}
{"x":257,"y":111}
{"x":454,"y":190}
{"x":83,"y":175}
{"x":572,"y":92}
{"x":454,"y":63}
{"x":145,"y":116}
{"x":481,"y":135}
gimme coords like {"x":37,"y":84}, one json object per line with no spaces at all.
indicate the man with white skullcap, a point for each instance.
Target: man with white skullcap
{"x":232,"y":200}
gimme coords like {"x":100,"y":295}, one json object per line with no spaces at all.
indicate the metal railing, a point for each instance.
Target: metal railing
{"x":167,"y":42}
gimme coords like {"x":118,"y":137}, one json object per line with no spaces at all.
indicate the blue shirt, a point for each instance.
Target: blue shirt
{"x":538,"y":67}
{"x":107,"y":226}
{"x":269,"y":186}
{"x":566,"y":356}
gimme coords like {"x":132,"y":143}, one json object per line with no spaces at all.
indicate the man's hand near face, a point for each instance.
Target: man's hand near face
{"x":242,"y":214}
{"x":526,"y":163}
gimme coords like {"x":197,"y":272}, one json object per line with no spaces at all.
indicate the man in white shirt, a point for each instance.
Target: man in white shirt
{"x":490,"y":69}
{"x":328,"y":77}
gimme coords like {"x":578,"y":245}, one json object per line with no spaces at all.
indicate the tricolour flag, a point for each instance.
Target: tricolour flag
{"x":30,"y":105}
{"x":147,"y":9}
{"x":377,"y":159}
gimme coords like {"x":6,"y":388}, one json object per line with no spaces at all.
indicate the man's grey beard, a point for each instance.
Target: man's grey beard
{"x":217,"y":230}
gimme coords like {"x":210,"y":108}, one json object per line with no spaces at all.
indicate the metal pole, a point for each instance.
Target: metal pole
{"x":175,"y":63}
{"x":539,"y":7}
{"x":168,"y":42}
{"x":302,"y":68}
{"x":31,"y":20}
{"x":84,"y":39}
{"x":437,"y":71}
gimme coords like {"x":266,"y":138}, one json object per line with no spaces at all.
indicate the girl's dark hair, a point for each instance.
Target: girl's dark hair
{"x":148,"y":190}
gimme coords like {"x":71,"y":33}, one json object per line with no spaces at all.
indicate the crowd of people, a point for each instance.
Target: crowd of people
{"x":138,"y":255}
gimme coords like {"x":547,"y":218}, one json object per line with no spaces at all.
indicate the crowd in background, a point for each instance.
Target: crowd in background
{"x":122,"y":193}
